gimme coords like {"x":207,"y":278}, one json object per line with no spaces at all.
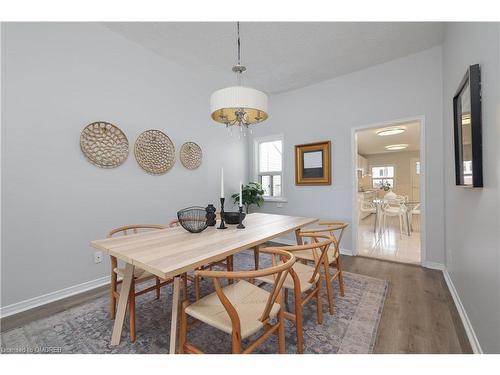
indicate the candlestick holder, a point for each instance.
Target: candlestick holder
{"x":240,"y":225}
{"x":222,"y":224}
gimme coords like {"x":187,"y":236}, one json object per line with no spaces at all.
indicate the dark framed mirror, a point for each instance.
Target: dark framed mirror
{"x":467,"y":128}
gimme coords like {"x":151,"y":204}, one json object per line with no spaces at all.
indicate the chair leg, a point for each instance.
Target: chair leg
{"x":281,"y":329}
{"x":329,"y":287}
{"x":236,"y":343}
{"x":197,"y":287}
{"x":183,"y":327}
{"x":298,"y":322}
{"x":112,"y":300}
{"x":157,"y":288}
{"x":338,"y":265}
{"x":131,"y":309}
{"x":319,"y":303}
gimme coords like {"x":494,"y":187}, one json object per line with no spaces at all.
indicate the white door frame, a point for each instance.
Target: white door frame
{"x":423,"y":170}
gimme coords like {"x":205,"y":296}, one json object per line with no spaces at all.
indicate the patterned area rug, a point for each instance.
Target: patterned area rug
{"x":87,"y":328}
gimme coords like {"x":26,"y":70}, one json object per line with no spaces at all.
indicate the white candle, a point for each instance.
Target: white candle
{"x":241,"y":196}
{"x":222,"y":182}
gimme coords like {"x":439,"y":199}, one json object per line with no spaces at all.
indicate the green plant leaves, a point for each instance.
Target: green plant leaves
{"x":252,"y":194}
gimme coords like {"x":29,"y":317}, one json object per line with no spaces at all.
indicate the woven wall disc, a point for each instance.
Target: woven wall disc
{"x":155,"y":152}
{"x":104,"y":144}
{"x":191,"y":155}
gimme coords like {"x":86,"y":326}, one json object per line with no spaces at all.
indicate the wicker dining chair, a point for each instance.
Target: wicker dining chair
{"x":335,"y":230}
{"x":241,"y":309}
{"x":140,"y":276}
{"x":304,"y":281}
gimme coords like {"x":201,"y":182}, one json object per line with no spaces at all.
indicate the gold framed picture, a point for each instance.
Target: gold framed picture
{"x":313,"y":164}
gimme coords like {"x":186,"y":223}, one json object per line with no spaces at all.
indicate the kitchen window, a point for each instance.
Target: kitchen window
{"x":383,"y":175}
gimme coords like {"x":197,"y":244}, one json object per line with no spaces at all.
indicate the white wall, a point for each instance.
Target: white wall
{"x":472,"y":219}
{"x":402,"y":88}
{"x":56,"y":78}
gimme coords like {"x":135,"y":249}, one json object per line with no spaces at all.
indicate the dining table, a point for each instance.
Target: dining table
{"x":169,"y":253}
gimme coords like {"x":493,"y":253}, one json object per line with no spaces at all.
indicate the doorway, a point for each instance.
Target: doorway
{"x":388,"y":191}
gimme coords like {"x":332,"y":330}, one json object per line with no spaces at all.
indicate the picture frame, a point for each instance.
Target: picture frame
{"x":313,"y":164}
{"x":467,"y":123}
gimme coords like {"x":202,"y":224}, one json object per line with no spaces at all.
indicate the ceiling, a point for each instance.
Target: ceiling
{"x":370,"y":143}
{"x":281,"y":56}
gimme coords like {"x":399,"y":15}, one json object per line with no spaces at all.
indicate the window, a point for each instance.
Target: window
{"x":269,"y":165}
{"x":468,"y":172}
{"x":382,"y":176}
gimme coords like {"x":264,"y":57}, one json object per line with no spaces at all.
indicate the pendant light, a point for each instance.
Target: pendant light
{"x":238,"y":105}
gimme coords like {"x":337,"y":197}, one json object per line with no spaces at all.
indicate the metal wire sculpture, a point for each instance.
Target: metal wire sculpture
{"x":193,"y":219}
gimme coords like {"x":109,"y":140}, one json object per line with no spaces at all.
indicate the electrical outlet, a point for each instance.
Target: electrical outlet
{"x":279,"y":205}
{"x":98,"y":257}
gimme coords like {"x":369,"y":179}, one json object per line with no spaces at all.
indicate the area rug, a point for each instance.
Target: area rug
{"x":87,"y":328}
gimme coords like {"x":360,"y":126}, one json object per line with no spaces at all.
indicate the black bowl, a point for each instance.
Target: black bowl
{"x":193,"y":219}
{"x":233,"y":217}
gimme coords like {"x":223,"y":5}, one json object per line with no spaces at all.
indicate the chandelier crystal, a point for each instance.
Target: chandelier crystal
{"x":238,"y":105}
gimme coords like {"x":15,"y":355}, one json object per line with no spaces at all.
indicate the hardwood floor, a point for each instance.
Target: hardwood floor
{"x":419,"y":313}
{"x":49,"y":309}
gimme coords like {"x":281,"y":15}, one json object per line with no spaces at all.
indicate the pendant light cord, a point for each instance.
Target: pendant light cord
{"x":239,"y":44}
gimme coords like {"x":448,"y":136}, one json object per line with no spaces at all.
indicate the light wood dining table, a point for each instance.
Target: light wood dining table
{"x":168,"y":253}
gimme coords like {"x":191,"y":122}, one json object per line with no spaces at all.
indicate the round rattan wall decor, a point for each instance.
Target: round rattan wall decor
{"x":155,"y":152}
{"x":191,"y":155}
{"x":104,"y":144}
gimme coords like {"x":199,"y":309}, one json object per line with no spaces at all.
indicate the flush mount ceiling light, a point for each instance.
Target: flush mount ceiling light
{"x":396,"y":147}
{"x":390,"y":131}
{"x":238,"y":105}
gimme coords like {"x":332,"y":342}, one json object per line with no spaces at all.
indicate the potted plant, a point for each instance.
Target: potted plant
{"x":387,"y":188}
{"x":252,"y":194}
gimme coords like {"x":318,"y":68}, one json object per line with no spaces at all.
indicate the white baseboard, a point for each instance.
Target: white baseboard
{"x":286,"y":241}
{"x":52,"y":297}
{"x":433,"y":265}
{"x":474,"y":342}
{"x":346,"y":252}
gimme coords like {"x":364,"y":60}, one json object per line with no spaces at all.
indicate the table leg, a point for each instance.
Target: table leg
{"x":377,"y":216}
{"x":256,"y":256}
{"x":298,"y":238}
{"x":175,"y":314}
{"x":122,"y":304}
